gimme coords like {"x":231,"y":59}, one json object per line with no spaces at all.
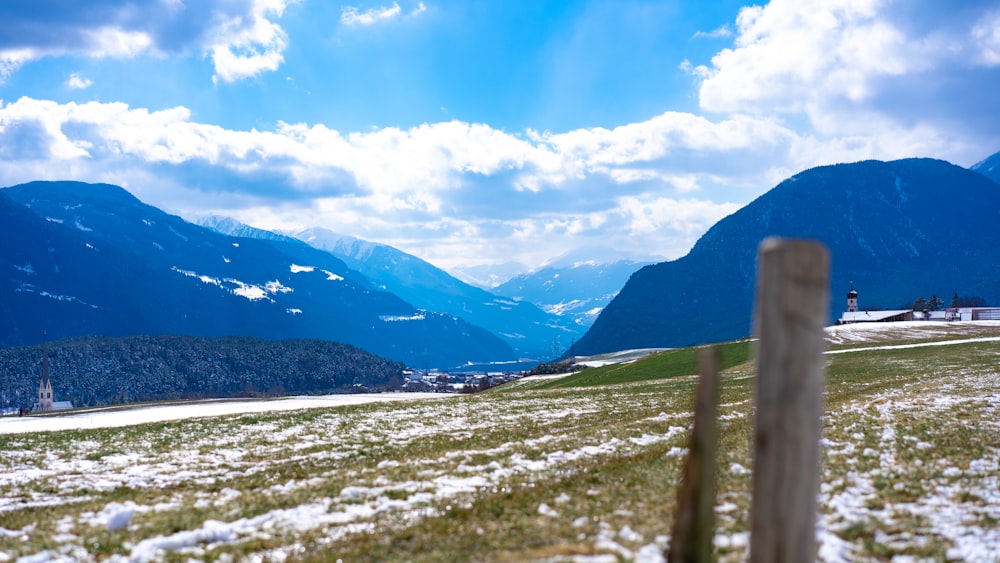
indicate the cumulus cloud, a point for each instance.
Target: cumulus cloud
{"x":351,"y":16}
{"x":245,"y":47}
{"x":805,"y":56}
{"x":445,"y":180}
{"x":863,"y":76}
{"x":240,"y":36}
{"x":77,"y":82}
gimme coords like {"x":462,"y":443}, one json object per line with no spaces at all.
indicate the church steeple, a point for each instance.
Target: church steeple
{"x":45,"y":385}
{"x":852,"y":300}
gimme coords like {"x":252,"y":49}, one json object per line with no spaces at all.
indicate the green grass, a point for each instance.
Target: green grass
{"x":666,"y":364}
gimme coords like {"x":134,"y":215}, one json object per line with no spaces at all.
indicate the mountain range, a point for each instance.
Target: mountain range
{"x":896,"y":230}
{"x":577,"y":285}
{"x":529,"y":331}
{"x":83,"y":259}
{"x":92,"y":259}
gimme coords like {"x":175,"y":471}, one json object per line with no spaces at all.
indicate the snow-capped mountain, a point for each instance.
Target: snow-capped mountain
{"x":577,"y":285}
{"x":92,"y":259}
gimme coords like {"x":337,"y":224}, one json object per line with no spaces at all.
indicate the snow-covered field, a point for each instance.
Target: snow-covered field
{"x":128,"y":416}
{"x":909,"y":330}
{"x":911,"y":472}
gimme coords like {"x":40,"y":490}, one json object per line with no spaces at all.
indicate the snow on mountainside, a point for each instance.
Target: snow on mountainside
{"x":93,"y":259}
{"x":529,"y":331}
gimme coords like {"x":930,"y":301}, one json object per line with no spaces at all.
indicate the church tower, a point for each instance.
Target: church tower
{"x":45,"y":385}
{"x":852,"y":300}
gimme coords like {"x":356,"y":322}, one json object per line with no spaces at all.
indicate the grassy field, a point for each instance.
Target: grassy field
{"x":582,"y":468}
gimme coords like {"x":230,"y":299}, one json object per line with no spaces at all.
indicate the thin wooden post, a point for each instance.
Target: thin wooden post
{"x":694,"y":519}
{"x":792,"y":304}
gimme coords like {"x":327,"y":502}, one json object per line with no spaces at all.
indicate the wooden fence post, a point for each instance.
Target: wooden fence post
{"x":792,"y":304}
{"x":694,"y":519}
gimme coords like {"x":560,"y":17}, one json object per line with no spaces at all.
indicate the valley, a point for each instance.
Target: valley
{"x":425,"y":281}
{"x":910,"y":463}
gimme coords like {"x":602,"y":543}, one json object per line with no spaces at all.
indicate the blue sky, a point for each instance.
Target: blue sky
{"x":473,"y":133}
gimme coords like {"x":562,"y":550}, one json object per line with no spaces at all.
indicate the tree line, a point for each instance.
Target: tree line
{"x":935,"y":303}
{"x":99,"y":370}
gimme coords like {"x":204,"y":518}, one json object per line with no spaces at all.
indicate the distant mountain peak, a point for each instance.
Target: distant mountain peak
{"x":989,"y":167}
{"x":595,"y":256}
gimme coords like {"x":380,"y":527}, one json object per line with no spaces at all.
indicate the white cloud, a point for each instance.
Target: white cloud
{"x":351,"y":16}
{"x":807,"y":56}
{"x":650,"y":214}
{"x":12,"y":59}
{"x":76,"y":82}
{"x":242,"y":51}
{"x":718,"y":33}
{"x":240,"y":36}
{"x":787,"y":54}
{"x":113,"y":42}
{"x":448,"y":184}
{"x":986,"y":35}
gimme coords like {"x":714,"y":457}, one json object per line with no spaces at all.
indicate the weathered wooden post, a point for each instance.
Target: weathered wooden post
{"x":694,"y":520}
{"x":792,"y":303}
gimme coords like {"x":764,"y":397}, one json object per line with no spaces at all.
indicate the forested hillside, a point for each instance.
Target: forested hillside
{"x":894,"y":229}
{"x":100,"y":370}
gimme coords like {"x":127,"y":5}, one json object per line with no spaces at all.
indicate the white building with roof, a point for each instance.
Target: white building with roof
{"x":853,"y":315}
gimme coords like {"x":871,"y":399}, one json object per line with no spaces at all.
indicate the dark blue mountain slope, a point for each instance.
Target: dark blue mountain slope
{"x":142,"y":271}
{"x":899,"y":230}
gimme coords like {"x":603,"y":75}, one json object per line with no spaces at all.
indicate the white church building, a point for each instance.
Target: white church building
{"x":853,"y":315}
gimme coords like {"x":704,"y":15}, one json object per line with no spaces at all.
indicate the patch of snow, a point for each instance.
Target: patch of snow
{"x":293,"y":311}
{"x":917,"y":345}
{"x":105,"y":418}
{"x":277,"y":287}
{"x":249,"y":291}
{"x":399,"y":318}
{"x":180,"y":236}
{"x":630,"y":535}
{"x":80,"y":226}
{"x":546,"y":510}
{"x":54,"y":220}
{"x":330,"y":276}
{"x":118,"y":516}
{"x":295,"y":268}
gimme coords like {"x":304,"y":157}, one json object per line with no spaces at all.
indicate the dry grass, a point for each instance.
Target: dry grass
{"x":911,"y":450}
